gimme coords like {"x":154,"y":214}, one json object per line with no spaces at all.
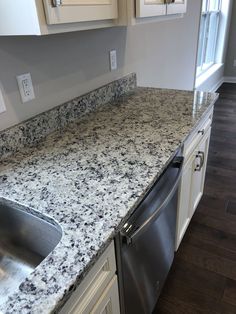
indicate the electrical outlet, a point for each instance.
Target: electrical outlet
{"x":234,"y":63}
{"x":25,"y":87}
{"x":113,"y":60}
{"x":2,"y":103}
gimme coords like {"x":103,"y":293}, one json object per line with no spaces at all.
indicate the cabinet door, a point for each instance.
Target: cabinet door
{"x":72,"y":11}
{"x":183,"y":213}
{"x":192,"y":185}
{"x":150,"y":8}
{"x":109,"y":300}
{"x":176,"y":6}
{"x":87,"y":295}
{"x":199,"y":171}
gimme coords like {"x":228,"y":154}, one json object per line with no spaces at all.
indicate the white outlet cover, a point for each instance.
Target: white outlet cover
{"x":113,"y":60}
{"x":2,"y":103}
{"x":25,"y":87}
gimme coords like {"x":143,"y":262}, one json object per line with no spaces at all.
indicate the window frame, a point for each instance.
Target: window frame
{"x":207,"y":13}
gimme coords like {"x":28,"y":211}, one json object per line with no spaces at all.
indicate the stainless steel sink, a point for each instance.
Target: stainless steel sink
{"x":25,"y":241}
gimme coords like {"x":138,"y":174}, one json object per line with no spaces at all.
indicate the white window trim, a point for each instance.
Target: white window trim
{"x":221,"y":45}
{"x":203,"y":77}
{"x":207,"y":14}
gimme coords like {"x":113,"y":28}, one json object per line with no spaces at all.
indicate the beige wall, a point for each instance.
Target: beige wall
{"x":230,"y":70}
{"x":67,"y":65}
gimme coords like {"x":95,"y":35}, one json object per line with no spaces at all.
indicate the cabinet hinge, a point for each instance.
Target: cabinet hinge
{"x":56,"y":3}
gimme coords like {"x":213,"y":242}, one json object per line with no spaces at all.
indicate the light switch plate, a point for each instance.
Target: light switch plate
{"x":113,"y":60}
{"x":25,"y":87}
{"x":2,"y":103}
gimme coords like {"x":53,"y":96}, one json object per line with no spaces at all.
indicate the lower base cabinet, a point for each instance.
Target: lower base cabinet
{"x":193,"y":178}
{"x":183,"y":215}
{"x":98,"y":292}
{"x":199,"y":171}
{"x":109,"y":300}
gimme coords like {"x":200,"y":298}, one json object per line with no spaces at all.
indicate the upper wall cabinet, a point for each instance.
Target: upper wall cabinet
{"x":177,"y":6}
{"x":149,"y":8}
{"x":39,"y":17}
{"x":153,"y":8}
{"x":72,"y":11}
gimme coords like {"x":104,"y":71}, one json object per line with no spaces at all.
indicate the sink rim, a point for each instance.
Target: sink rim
{"x":37,"y":215}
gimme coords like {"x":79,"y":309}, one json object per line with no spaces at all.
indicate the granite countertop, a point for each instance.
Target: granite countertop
{"x":90,"y":177}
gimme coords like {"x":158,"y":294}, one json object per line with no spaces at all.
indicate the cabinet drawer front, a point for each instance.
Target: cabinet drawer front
{"x":109,"y":300}
{"x":89,"y":291}
{"x":195,"y":138}
{"x":73,"y":11}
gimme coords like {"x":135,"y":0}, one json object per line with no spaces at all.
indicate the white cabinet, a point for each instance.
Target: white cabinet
{"x":198,"y":171}
{"x":154,"y":8}
{"x":193,"y":178}
{"x":39,"y":17}
{"x":98,"y":292}
{"x":183,"y":214}
{"x":109,"y":300}
{"x":176,"y":6}
{"x":150,"y":8}
{"x":72,"y":11}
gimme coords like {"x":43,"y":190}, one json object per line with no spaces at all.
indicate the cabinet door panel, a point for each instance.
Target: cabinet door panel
{"x":83,"y":2}
{"x":150,"y":8}
{"x":177,"y":7}
{"x":87,"y":294}
{"x":199,"y":170}
{"x":192,"y":182}
{"x":183,"y":214}
{"x":72,"y":11}
{"x":109,"y":300}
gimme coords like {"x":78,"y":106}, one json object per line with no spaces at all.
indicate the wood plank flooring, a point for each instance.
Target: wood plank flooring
{"x":203,"y":275}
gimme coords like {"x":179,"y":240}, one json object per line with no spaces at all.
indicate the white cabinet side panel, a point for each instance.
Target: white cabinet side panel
{"x":18,"y":18}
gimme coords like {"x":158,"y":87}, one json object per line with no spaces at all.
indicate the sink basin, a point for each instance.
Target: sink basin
{"x":25,"y":241}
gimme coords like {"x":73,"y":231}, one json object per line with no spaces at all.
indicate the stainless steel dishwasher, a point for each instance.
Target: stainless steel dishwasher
{"x":145,"y":245}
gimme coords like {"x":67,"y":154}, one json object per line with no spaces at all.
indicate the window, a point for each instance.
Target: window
{"x":209,"y":28}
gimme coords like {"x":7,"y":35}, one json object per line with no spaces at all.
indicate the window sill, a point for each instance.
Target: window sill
{"x":207,"y":74}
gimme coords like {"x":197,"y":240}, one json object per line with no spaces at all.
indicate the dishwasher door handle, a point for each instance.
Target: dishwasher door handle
{"x":131,"y":238}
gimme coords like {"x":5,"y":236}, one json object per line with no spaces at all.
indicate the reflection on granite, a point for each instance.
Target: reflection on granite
{"x":90,"y":177}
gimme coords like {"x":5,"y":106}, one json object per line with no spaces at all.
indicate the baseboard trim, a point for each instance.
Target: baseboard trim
{"x":230,"y":79}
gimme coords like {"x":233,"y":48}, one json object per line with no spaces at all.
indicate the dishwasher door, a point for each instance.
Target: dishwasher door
{"x":145,"y":246}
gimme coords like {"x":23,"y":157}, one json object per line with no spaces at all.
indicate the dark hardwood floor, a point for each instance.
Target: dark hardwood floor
{"x":203,"y":275}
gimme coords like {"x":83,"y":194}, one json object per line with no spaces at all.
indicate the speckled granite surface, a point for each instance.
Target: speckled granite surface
{"x":90,"y":177}
{"x":37,"y":128}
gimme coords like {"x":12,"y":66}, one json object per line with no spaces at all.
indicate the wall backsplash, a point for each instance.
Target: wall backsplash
{"x":32,"y":131}
{"x":65,"y":66}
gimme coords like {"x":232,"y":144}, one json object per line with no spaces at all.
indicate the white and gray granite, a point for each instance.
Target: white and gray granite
{"x":90,"y":177}
{"x":34,"y":130}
